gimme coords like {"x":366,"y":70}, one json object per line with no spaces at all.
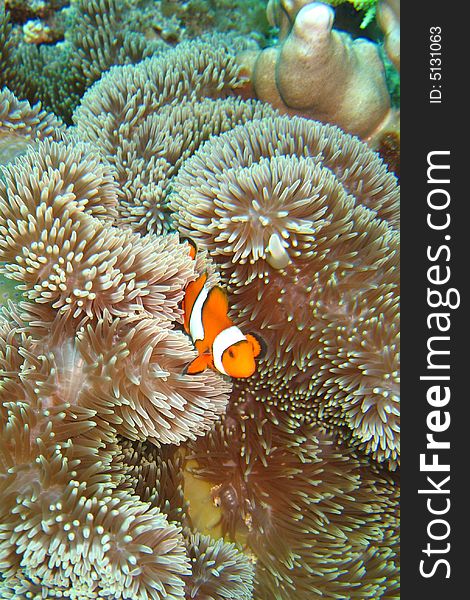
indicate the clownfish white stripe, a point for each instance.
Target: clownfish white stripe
{"x":196,"y":328}
{"x":223,"y":340}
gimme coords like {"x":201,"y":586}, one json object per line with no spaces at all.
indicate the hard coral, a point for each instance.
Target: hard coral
{"x":288,"y":209}
{"x":323,"y":74}
{"x":388,"y":17}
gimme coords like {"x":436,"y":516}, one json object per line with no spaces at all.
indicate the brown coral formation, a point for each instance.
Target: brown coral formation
{"x":288,"y":209}
{"x":321,"y":73}
{"x":282,"y":13}
{"x":171,"y":104}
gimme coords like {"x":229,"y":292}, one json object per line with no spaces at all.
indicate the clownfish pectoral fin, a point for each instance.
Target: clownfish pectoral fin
{"x":217,"y":301}
{"x":192,"y":247}
{"x":198,"y":365}
{"x":258,"y":344}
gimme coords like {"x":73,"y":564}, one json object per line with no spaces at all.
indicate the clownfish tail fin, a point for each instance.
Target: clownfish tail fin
{"x":258,"y":344}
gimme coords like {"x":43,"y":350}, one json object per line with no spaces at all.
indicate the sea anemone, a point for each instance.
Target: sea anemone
{"x":300,"y":219}
{"x":92,"y":353}
{"x":148,"y":118}
{"x":360,"y":171}
{"x":69,"y":171}
{"x":63,"y":525}
{"x":321,"y":520}
{"x":21,"y":124}
{"x":219,"y":570}
{"x":143,"y":361}
{"x":56,"y":240}
{"x":93,"y":547}
{"x":155,"y":474}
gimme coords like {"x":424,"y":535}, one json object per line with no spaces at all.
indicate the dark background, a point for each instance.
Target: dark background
{"x":427,"y":127}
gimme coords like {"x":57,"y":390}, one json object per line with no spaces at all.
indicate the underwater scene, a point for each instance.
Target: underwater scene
{"x":199,"y":299}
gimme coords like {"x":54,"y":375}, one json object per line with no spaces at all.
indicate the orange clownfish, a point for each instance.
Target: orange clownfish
{"x":221,"y":345}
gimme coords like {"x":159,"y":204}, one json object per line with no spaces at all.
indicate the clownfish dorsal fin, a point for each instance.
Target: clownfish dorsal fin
{"x":198,"y":365}
{"x":258,"y":345}
{"x":192,"y":247}
{"x":217,"y":302}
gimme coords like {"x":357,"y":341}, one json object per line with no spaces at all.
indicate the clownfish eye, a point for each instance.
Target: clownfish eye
{"x":231,"y":353}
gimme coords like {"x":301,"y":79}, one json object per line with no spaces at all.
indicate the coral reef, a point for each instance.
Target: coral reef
{"x":100,"y":33}
{"x":172,"y":104}
{"x":320,"y":73}
{"x":196,"y":17}
{"x":282,"y":13}
{"x":288,"y":209}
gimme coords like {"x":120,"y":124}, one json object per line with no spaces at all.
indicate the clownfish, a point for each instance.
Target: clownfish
{"x":221,"y":345}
